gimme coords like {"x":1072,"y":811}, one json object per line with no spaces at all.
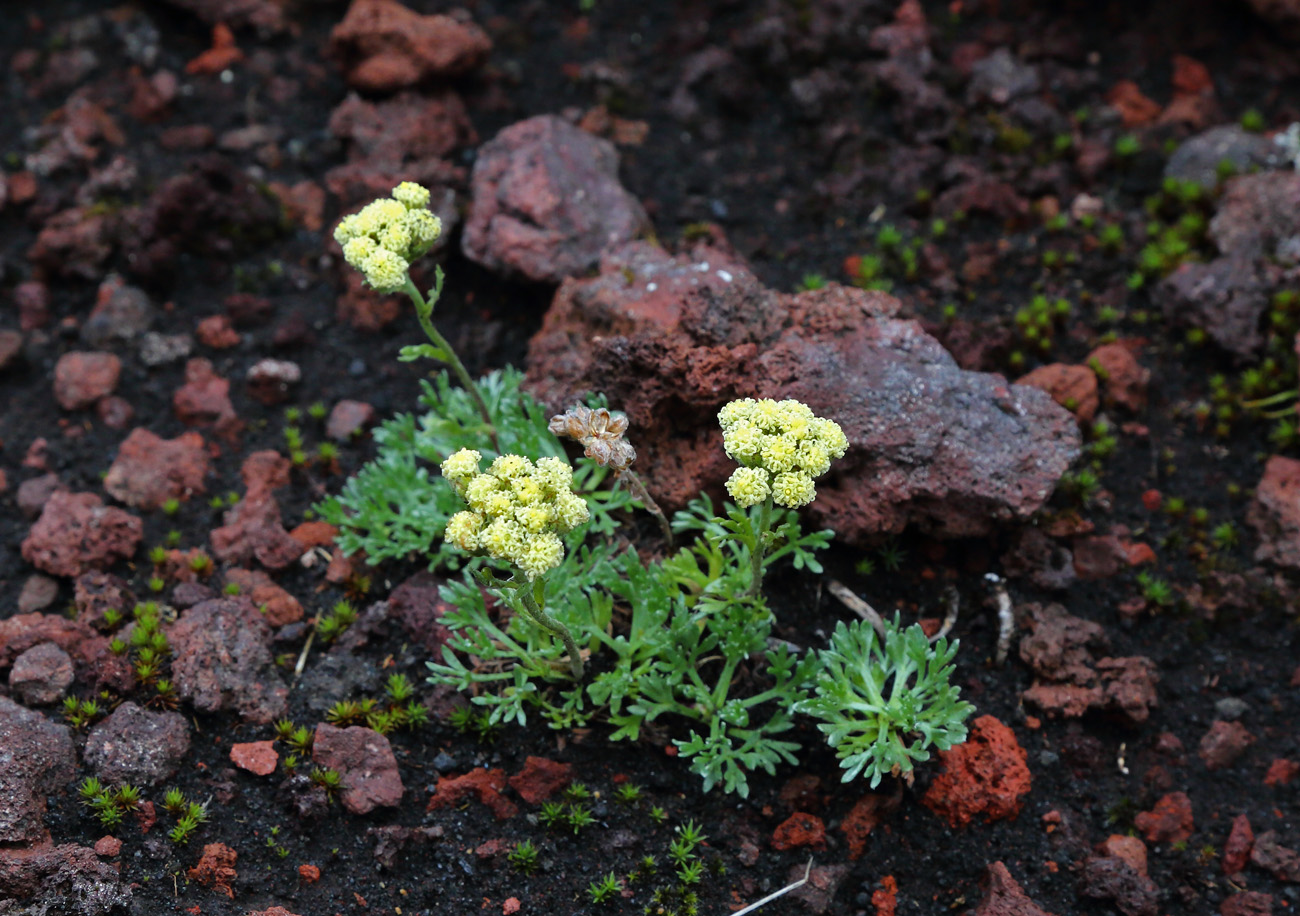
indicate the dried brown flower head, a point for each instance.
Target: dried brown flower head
{"x":600,"y":432}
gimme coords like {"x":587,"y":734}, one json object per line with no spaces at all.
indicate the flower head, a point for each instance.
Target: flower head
{"x":386,"y":235}
{"x":517,"y":509}
{"x":781,"y":446}
{"x":600,"y":432}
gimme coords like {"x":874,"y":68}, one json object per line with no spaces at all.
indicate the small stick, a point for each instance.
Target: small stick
{"x":950,"y":621}
{"x":302,"y":657}
{"x":857,"y":606}
{"x":1006,"y":620}
{"x":785,"y":890}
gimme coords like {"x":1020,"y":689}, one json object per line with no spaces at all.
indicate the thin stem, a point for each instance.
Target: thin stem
{"x":758,"y":548}
{"x":639,"y":492}
{"x":552,"y":626}
{"x":424,"y":312}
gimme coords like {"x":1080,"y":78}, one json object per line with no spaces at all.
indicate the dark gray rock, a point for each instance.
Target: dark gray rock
{"x":137,"y":746}
{"x":222,"y":660}
{"x":36,"y":757}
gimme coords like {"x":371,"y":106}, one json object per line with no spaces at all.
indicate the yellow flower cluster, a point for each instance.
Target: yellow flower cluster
{"x":517,"y":509}
{"x":386,"y":235}
{"x":781,"y":447}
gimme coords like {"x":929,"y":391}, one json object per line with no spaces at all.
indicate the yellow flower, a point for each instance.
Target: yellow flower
{"x":385,"y":271}
{"x":411,"y":195}
{"x":356,"y":250}
{"x":462,"y":465}
{"x":463,"y":530}
{"x":743,"y":441}
{"x":779,"y":453}
{"x":793,"y":489}
{"x":542,"y":553}
{"x":424,"y":227}
{"x":748,"y":486}
{"x":508,"y":466}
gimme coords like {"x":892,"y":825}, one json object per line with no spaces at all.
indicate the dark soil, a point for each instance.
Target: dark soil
{"x":796,"y":186}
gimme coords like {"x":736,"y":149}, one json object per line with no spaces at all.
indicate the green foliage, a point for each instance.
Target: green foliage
{"x":524,"y":857}
{"x":604,"y":890}
{"x":397,"y":505}
{"x":682,"y":617}
{"x":884,"y":702}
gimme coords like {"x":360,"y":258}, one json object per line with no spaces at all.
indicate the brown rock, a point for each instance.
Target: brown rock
{"x":485,"y":785}
{"x":1236,"y":852}
{"x":81,"y":379}
{"x":857,"y":825}
{"x":547,"y":201}
{"x":365,"y":760}
{"x":986,"y":776}
{"x":73,"y":243}
{"x":253,"y":528}
{"x":1004,"y":897}
{"x":540,"y":779}
{"x":204,"y":399}
{"x":11,"y":347}
{"x":1268,"y":854}
{"x":108,"y":847}
{"x":823,"y":884}
{"x":309,"y":874}
{"x":23,"y":631}
{"x":1247,"y":903}
{"x":1128,"y":848}
{"x":270,"y":380}
{"x":1123,"y":380}
{"x":418,"y":606}
{"x":276,"y":605}
{"x":1114,"y":879}
{"x":1223,"y":744}
{"x":408,"y":129}
{"x":1275,"y":513}
{"x":1134,"y":108}
{"x":382,"y":46}
{"x":257,"y":757}
{"x":121,"y":314}
{"x":348,"y":420}
{"x":216,"y":868}
{"x":47,"y":874}
{"x":150,"y":470}
{"x":33,"y":494}
{"x":137,"y":746}
{"x":38,"y":758}
{"x":38,"y":593}
{"x":41,"y":674}
{"x":115,"y":412}
{"x":77,"y":533}
{"x":1073,"y":387}
{"x":670,"y":342}
{"x":799,"y":829}
{"x":1170,"y":821}
{"x":216,"y":332}
{"x":222,"y":660}
{"x":303,"y":202}
{"x":33,"y":300}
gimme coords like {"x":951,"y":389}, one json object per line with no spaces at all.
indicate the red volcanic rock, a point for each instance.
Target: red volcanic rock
{"x":1236,"y":852}
{"x":1268,"y":854}
{"x":672,"y":339}
{"x":43,"y":873}
{"x":204,"y":399}
{"x":349,"y":419}
{"x":1281,"y":771}
{"x":216,"y":332}
{"x":547,"y":202}
{"x":799,"y":829}
{"x":276,"y":605}
{"x":1073,"y":387}
{"x":257,"y":757}
{"x":81,"y":379}
{"x":540,"y":779}
{"x":222,"y":660}
{"x":406,"y":128}
{"x":382,"y":46}
{"x":485,"y":785}
{"x":1247,"y":903}
{"x":73,"y":243}
{"x":1223,"y":744}
{"x":150,"y":470}
{"x":1275,"y":513}
{"x":253,"y":528}
{"x":1004,"y":897}
{"x":41,"y":674}
{"x":77,"y":533}
{"x":216,"y":868}
{"x":38,"y":758}
{"x":986,"y":776}
{"x":857,"y":825}
{"x":1123,"y":380}
{"x":1128,"y":848}
{"x":1170,"y":821}
{"x":365,"y":760}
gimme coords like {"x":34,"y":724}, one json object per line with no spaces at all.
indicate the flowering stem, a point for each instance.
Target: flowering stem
{"x":758,"y":549}
{"x":639,"y":492}
{"x":544,"y":620}
{"x":424,"y":312}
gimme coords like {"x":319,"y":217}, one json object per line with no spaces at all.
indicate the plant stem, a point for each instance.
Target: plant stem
{"x":424,"y":312}
{"x":639,"y":492}
{"x":758,"y":549}
{"x":524,"y":590}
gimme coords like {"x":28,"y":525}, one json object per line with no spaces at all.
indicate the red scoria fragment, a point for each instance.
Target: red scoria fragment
{"x":485,"y":785}
{"x":799,"y":829}
{"x":986,"y":776}
{"x":1170,"y":821}
{"x":540,"y":779}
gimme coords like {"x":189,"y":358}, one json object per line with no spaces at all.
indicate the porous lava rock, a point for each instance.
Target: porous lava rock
{"x":1069,"y":681}
{"x":149,"y":470}
{"x":483,"y":784}
{"x":137,"y":745}
{"x":1003,"y":896}
{"x":82,"y":378}
{"x":382,"y":46}
{"x":1170,"y":821}
{"x":41,"y":674}
{"x":1275,"y":513}
{"x":365,"y":761}
{"x":253,"y":529}
{"x":36,"y":758}
{"x":986,"y":776}
{"x":541,"y":778}
{"x":77,"y":533}
{"x":546,"y":201}
{"x":671,"y":339}
{"x":222,"y":660}
{"x":67,"y":879}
